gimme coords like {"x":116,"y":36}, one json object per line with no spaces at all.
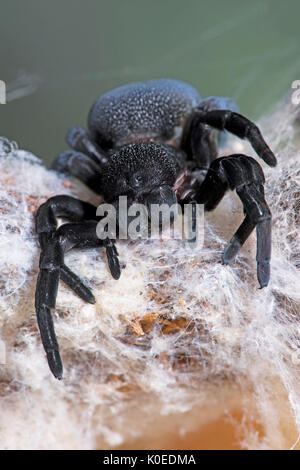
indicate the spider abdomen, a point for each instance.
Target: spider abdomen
{"x":153,"y":110}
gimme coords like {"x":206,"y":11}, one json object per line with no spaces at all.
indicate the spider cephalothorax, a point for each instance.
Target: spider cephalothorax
{"x":139,"y":170}
{"x":154,"y":142}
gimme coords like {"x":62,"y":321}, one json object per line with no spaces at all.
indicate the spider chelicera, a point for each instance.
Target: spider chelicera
{"x":154,"y":142}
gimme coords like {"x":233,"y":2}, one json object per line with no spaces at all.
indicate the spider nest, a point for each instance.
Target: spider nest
{"x":178,"y":341}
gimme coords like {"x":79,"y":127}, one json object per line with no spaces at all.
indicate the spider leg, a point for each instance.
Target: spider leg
{"x":240,"y":126}
{"x":238,"y":239}
{"x":71,"y":208}
{"x":65,"y":238}
{"x":218,"y":102}
{"x":201,"y":140}
{"x":52,"y":269}
{"x":79,"y":140}
{"x":61,"y":206}
{"x":75,"y":283}
{"x":201,"y":145}
{"x":81,"y":166}
{"x":245,"y":175}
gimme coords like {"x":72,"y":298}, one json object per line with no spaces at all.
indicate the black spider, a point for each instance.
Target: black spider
{"x":154,"y":142}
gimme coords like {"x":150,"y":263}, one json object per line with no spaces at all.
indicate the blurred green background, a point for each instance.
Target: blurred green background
{"x":58,"y":56}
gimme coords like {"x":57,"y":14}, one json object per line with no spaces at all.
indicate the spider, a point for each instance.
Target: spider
{"x":155,"y":142}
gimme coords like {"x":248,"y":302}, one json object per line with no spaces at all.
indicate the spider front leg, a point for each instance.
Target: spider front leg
{"x":54,"y":243}
{"x":237,"y":125}
{"x":51,"y":265}
{"x":245,"y":175}
{"x":200,"y":140}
